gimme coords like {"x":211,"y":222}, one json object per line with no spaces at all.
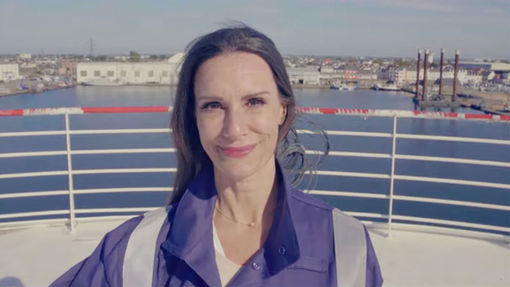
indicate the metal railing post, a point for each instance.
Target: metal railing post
{"x":392,"y":175}
{"x":70,"y":176}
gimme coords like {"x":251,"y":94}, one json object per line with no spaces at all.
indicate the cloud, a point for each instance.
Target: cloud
{"x":484,"y":7}
{"x":430,"y":5}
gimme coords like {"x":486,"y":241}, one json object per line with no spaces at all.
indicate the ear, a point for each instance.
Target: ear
{"x":283,"y":114}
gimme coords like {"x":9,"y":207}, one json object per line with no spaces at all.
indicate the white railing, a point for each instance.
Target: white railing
{"x":70,"y":213}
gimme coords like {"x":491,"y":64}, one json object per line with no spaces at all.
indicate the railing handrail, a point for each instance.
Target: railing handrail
{"x":391,"y":176}
{"x":307,"y":110}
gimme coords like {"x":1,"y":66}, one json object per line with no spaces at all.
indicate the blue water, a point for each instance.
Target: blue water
{"x":163,"y":96}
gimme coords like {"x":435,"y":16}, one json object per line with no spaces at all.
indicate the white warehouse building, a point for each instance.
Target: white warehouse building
{"x":9,"y":72}
{"x":404,"y":76}
{"x":304,"y":76}
{"x":165,"y":72}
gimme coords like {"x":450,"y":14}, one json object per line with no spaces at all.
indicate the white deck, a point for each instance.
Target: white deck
{"x":36,"y":256}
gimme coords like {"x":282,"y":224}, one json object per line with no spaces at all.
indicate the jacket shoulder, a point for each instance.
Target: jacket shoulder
{"x":101,"y":268}
{"x":121,"y":233}
{"x":310,"y":201}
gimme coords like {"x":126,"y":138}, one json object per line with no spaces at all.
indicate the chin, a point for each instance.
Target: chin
{"x":237,"y":171}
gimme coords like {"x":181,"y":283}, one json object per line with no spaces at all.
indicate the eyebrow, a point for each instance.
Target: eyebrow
{"x":243,"y":98}
{"x":255,"y":94}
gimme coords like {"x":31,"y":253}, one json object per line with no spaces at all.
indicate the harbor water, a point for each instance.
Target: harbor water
{"x":81,"y":96}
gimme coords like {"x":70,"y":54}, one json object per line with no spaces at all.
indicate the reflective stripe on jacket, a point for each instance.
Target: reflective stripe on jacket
{"x":350,"y":250}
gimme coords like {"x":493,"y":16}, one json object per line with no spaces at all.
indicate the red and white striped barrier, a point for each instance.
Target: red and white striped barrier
{"x":403,"y":114}
{"x":85,"y":110}
{"x":307,"y":110}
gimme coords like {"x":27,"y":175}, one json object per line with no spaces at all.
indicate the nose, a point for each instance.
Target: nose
{"x":233,"y":124}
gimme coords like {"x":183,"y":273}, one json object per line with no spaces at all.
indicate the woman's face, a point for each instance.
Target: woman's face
{"x":238,"y":113}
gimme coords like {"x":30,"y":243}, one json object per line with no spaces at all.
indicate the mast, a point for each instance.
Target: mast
{"x":455,"y":74}
{"x":441,"y":73}
{"x":425,"y":68}
{"x":418,"y":75}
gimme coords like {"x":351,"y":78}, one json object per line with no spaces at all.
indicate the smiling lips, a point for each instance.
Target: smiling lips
{"x":237,"y":152}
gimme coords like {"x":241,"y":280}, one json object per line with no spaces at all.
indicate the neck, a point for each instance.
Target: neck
{"x":250,"y":199}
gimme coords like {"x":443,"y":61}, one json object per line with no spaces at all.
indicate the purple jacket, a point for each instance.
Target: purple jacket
{"x":302,"y":228}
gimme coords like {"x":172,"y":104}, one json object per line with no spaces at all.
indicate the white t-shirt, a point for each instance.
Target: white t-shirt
{"x":226,"y":267}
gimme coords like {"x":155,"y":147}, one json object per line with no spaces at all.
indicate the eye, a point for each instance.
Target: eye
{"x":253,"y":102}
{"x":210,"y":106}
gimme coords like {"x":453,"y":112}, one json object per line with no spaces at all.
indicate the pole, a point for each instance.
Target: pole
{"x":425,"y":68}
{"x":441,"y":73}
{"x":91,"y":48}
{"x":392,"y":175}
{"x":418,"y":74}
{"x":70,"y":176}
{"x":455,"y":74}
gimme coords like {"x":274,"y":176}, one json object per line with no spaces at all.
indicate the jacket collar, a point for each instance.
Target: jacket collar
{"x":281,"y":247}
{"x":190,"y":235}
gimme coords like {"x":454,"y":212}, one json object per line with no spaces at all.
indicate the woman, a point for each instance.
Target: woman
{"x":232,"y":220}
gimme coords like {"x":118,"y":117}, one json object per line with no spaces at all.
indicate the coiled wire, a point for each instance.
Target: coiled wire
{"x":294,"y":160}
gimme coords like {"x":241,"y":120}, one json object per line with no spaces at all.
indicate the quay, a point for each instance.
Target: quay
{"x":17,"y":87}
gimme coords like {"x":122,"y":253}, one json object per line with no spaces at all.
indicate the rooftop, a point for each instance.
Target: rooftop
{"x":430,"y":256}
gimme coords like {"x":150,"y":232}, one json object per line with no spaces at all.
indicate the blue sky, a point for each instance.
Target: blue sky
{"x":394,"y":28}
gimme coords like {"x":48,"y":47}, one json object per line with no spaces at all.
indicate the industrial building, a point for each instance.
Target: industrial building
{"x":304,"y":76}
{"x":405,"y":76}
{"x":130,"y":73}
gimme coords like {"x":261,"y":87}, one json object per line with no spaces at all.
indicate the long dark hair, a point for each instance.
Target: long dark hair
{"x":191,"y":157}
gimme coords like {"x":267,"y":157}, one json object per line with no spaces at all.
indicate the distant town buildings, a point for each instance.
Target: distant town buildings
{"x":165,"y":72}
{"x":67,"y":67}
{"x":325,"y":75}
{"x":489,"y":66}
{"x":330,"y":75}
{"x":469,"y":73}
{"x":9,"y":72}
{"x":405,"y":76}
{"x":24,"y":56}
{"x":369,"y":72}
{"x":303,"y":71}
